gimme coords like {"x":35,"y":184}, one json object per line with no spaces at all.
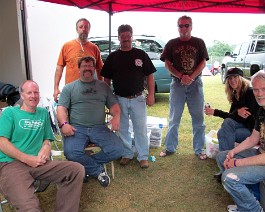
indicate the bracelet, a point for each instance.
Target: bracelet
{"x":64,"y":124}
{"x":235,"y":163}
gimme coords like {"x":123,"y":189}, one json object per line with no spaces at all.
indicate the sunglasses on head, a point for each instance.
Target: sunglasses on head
{"x":184,"y":25}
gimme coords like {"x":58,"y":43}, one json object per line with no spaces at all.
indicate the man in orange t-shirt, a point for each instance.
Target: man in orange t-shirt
{"x":71,"y":52}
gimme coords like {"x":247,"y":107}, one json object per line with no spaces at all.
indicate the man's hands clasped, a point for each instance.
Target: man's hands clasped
{"x":230,"y":161}
{"x":186,"y":80}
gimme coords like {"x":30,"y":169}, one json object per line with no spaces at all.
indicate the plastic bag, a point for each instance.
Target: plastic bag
{"x":212,"y":144}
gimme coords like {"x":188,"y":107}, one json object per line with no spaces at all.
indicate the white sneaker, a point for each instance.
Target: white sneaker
{"x":232,"y":208}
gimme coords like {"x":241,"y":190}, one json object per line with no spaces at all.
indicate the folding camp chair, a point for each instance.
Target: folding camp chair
{"x":58,"y":138}
{"x":4,"y":201}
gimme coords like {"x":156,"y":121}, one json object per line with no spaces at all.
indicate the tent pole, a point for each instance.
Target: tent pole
{"x":25,"y":38}
{"x":110,"y":14}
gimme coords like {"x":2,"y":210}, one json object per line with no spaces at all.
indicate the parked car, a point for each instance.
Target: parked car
{"x":248,"y":56}
{"x":152,"y":45}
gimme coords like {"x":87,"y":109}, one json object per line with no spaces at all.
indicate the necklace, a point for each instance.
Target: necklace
{"x":80,"y":45}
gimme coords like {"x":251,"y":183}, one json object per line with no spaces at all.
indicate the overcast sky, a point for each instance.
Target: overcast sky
{"x":230,"y":28}
{"x":51,"y":25}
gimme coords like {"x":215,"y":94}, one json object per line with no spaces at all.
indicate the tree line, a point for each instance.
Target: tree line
{"x":218,"y":49}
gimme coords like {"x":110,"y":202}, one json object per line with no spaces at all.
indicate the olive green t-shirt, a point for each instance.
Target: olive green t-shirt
{"x":86,"y":102}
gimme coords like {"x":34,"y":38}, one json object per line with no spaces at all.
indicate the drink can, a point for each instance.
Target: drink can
{"x":207,"y":105}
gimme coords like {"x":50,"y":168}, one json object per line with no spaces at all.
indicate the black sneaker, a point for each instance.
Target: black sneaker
{"x":85,"y":180}
{"x":218,"y":176}
{"x":41,"y":185}
{"x":104,"y":179}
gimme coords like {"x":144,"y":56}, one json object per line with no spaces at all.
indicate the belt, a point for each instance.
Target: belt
{"x":133,"y":96}
{"x":178,"y":80}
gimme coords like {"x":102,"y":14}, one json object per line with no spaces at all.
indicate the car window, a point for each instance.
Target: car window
{"x":244,"y":49}
{"x":104,"y":45}
{"x":147,"y":45}
{"x":260,"y":46}
{"x":236,"y":50}
{"x":152,"y":46}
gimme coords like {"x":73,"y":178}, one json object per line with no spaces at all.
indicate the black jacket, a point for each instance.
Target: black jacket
{"x":246,"y":99}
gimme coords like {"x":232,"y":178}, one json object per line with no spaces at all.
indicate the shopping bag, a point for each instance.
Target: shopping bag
{"x":212,"y":144}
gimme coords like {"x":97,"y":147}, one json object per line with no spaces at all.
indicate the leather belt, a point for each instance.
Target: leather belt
{"x":133,"y":96}
{"x":178,"y":80}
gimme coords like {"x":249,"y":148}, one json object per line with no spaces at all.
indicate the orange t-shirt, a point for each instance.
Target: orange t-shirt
{"x":71,"y":52}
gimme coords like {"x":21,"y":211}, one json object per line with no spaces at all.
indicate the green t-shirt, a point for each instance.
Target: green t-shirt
{"x":26,"y":131}
{"x":86,"y":102}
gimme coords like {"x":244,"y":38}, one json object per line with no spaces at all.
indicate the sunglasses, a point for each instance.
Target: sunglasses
{"x":184,"y":25}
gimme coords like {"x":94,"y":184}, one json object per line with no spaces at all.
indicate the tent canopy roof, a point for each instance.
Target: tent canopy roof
{"x":214,"y":6}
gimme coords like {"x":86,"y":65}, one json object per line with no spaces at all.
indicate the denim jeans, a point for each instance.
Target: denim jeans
{"x":193,"y":95}
{"x":237,"y":180}
{"x":136,"y":110}
{"x":108,"y":141}
{"x":230,"y":132}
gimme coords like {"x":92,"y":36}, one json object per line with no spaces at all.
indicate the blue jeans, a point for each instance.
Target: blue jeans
{"x":231,"y":132}
{"x":136,"y":110}
{"x":193,"y":95}
{"x":239,"y":181}
{"x":108,"y":141}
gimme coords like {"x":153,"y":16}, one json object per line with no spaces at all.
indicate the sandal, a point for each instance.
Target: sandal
{"x":165,"y":153}
{"x":202,"y":156}
{"x":232,"y":208}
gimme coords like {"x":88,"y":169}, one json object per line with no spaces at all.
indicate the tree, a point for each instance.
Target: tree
{"x":260,"y":29}
{"x":219,"y":48}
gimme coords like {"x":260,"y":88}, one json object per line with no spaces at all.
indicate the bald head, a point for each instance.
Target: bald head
{"x":30,"y":95}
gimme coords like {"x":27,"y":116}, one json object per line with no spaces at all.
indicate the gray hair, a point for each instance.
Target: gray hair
{"x":82,"y":19}
{"x":258,"y":75}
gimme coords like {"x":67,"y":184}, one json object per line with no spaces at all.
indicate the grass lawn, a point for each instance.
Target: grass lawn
{"x":180,"y":182}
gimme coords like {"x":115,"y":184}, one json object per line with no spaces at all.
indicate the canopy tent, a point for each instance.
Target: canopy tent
{"x":213,"y":6}
{"x":216,"y":6}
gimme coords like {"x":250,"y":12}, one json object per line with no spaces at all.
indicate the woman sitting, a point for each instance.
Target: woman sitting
{"x":239,"y":121}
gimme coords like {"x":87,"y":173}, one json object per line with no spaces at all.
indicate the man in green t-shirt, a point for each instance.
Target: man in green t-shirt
{"x":25,"y":136}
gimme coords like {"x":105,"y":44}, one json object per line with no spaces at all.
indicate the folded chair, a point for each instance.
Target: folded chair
{"x":58,"y":138}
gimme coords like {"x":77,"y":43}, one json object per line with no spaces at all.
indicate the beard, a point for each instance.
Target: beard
{"x":83,"y":36}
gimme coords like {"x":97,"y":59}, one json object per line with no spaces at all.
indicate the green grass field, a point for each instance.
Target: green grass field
{"x":180,"y":182}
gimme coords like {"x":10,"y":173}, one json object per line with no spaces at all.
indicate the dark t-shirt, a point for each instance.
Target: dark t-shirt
{"x":260,"y":127}
{"x":128,"y":70}
{"x":185,"y":55}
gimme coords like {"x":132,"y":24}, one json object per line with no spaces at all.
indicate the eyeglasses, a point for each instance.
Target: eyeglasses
{"x":184,"y":25}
